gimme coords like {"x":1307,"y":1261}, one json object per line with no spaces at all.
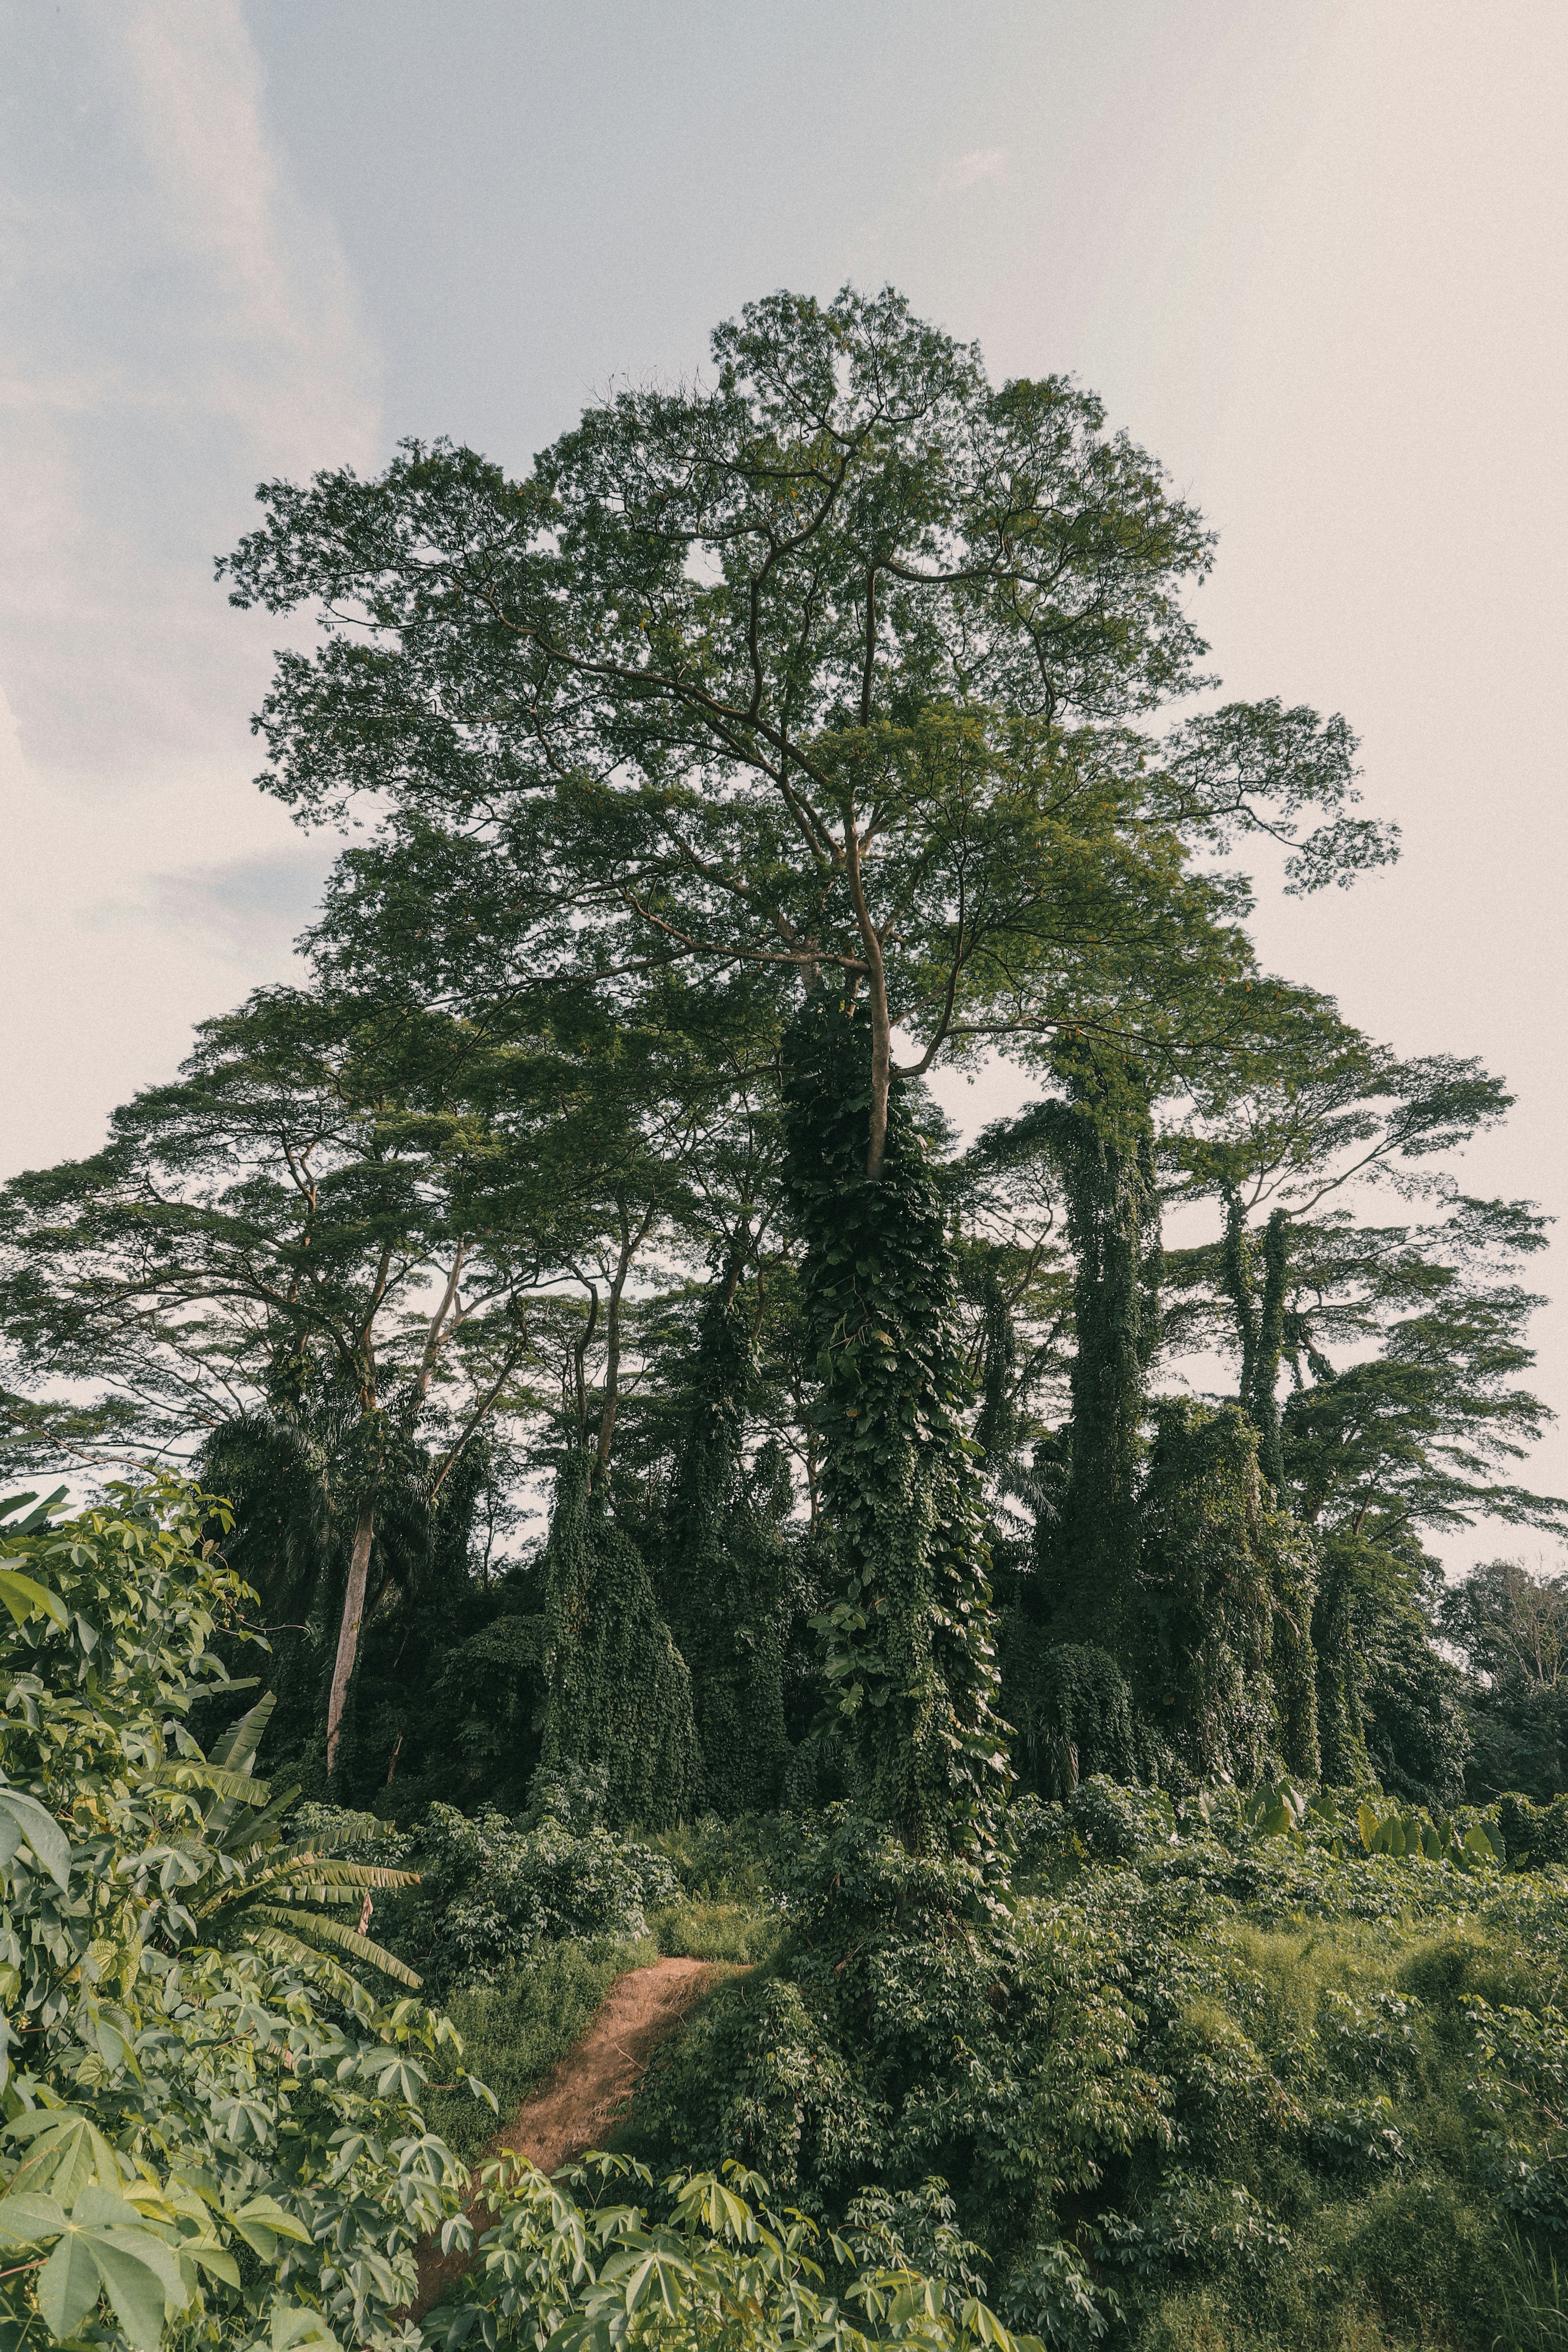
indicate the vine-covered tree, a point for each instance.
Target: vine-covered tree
{"x":837,"y":668}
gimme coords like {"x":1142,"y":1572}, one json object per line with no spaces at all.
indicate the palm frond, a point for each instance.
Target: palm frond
{"x":308,"y":1928}
{"x":288,"y":1951}
{"x":319,"y":1871}
{"x":233,"y":1787}
{"x":247,"y":1839}
{"x":235,"y":1751}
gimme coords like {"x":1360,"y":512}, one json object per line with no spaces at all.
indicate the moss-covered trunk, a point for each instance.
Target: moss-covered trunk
{"x":723,"y":1574}
{"x":909,"y":1655}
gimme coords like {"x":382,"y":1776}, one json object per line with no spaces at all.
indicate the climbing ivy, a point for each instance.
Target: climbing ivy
{"x":1071,"y":1709}
{"x":1101,"y":1139}
{"x":1340,"y":1721}
{"x":909,"y":1648}
{"x":619,"y":1694}
{"x":1223,"y":1645}
{"x":723,"y":1571}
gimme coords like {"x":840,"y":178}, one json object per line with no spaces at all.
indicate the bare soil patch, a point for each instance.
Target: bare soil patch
{"x":580,"y":2099}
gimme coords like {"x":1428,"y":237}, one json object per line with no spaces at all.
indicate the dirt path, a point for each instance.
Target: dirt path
{"x":580,"y":2099}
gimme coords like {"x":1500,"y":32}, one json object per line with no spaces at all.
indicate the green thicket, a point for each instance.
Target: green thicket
{"x":724,"y":1571}
{"x":908,"y":1656}
{"x":1205,"y":2088}
{"x":618,"y":1692}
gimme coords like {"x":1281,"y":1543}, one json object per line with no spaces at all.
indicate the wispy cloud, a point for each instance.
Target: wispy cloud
{"x":980,"y":163}
{"x":175,"y":325}
{"x":280,"y":346}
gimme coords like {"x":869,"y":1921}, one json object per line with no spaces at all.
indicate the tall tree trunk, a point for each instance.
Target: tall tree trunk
{"x":907,"y":1632}
{"x":1104,"y":1147}
{"x":1262,"y":1401}
{"x":631,"y":1242}
{"x":348,"y":1630}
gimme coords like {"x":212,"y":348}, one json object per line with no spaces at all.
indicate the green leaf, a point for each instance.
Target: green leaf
{"x":142,"y":2278}
{"x":43,"y":1834}
{"x":294,"y":2324}
{"x":26,"y":2220}
{"x":261,"y":2222}
{"x":235,"y":1750}
{"x":25,"y":1598}
{"x":69,"y":2286}
{"x":68,"y":2154}
{"x":1366,"y":1822}
{"x":213,"y":2259}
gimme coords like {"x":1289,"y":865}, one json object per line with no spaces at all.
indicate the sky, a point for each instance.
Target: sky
{"x":1312,"y":255}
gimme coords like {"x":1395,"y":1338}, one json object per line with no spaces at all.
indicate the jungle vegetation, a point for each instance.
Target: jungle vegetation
{"x":676,"y":1494}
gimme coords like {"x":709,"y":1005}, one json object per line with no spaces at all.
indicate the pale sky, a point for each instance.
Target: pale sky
{"x":1312,"y":255}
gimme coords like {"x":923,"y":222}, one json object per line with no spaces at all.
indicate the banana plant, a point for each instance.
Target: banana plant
{"x":253,"y":1884}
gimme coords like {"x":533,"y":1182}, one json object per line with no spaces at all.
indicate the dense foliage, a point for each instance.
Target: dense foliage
{"x":681,"y":1501}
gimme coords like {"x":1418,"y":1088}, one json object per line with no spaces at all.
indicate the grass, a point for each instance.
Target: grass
{"x":514,"y":2031}
{"x":717,"y":1931}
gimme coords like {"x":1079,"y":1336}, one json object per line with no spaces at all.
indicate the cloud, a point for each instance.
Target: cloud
{"x":281,"y":347}
{"x":981,"y":163}
{"x":175,"y":324}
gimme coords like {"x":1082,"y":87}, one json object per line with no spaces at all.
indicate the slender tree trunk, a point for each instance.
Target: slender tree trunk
{"x":348,"y":1630}
{"x":876,"y":999}
{"x":630,"y":1244}
{"x":1264,"y":1402}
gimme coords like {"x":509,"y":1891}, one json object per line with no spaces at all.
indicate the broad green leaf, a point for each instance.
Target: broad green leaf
{"x":213,"y":2258}
{"x":236,"y":1748}
{"x":143,"y":2277}
{"x":26,"y":2220}
{"x":68,"y":2154}
{"x":294,"y":2324}
{"x":1366,"y":1822}
{"x":25,"y":1598}
{"x":43,"y":1834}
{"x":68,"y":2286}
{"x":267,"y":2211}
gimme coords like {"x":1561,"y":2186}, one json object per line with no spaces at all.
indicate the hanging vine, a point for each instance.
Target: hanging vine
{"x":909,"y":1655}
{"x":619,"y":1695}
{"x":1222,"y":1648}
{"x":723,"y":1572}
{"x":1103,"y":1141}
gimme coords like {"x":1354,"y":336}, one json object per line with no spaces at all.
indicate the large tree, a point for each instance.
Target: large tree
{"x":309,"y":1256}
{"x":1399,"y":1342}
{"x":840,"y":667}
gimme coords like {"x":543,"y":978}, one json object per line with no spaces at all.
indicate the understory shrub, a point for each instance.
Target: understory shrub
{"x":495,"y":1891}
{"x":1203,"y":2085}
{"x":212,"y":2131}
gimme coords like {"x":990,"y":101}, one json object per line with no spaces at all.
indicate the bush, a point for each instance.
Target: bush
{"x":1117,"y":1825}
{"x":230,"y":2138}
{"x":498,"y":1890}
{"x":1536,"y":1833}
